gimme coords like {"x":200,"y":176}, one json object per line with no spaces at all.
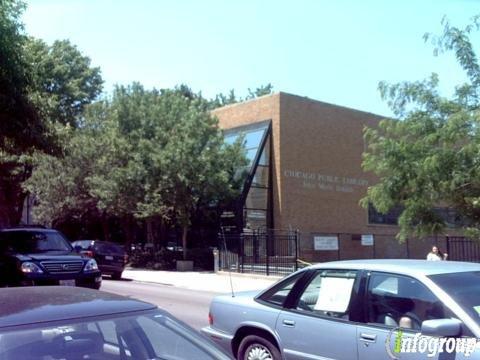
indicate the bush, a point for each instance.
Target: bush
{"x":140,"y":258}
{"x":202,"y":258}
{"x":162,"y":259}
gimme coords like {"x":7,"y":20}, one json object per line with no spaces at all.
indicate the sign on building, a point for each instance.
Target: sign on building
{"x":325,"y":242}
{"x":367,"y":240}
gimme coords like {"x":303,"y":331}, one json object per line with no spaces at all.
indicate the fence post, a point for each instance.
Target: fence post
{"x":241,"y":253}
{"x":448,"y":245}
{"x":215,"y":260}
{"x":267,"y":252}
{"x":297,"y":232}
{"x":255,"y":248}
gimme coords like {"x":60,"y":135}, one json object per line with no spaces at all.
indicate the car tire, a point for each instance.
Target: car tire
{"x":117,"y":275}
{"x":254,"y":347}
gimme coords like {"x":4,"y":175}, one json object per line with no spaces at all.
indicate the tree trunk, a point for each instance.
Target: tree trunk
{"x":12,"y":195}
{"x":127,"y":230}
{"x":149,"y":231}
{"x":184,"y":241}
{"x":106,"y":228}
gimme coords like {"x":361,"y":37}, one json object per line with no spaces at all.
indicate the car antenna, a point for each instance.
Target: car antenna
{"x":228,"y":260}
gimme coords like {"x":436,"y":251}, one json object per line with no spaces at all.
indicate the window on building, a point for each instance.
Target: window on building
{"x":255,"y":209}
{"x":390,"y":218}
{"x":451,"y":217}
{"x":448,"y":215}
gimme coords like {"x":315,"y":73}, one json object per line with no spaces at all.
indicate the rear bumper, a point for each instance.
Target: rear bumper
{"x":110,"y":269}
{"x":222,"y":339}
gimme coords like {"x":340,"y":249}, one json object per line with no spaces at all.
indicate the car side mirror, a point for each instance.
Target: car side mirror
{"x":77,"y":248}
{"x":442,"y":327}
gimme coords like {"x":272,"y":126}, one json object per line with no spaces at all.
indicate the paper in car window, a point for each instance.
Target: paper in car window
{"x":477,"y":309}
{"x":334,"y":294}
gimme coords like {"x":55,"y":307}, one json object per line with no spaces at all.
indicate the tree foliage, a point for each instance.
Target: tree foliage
{"x":429,"y":158}
{"x":231,"y":98}
{"x":21,"y":129}
{"x":39,"y":86}
{"x":63,"y":80}
{"x":141,"y":154}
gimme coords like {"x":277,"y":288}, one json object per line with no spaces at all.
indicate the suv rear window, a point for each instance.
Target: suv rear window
{"x":104,"y":248}
{"x":33,"y":241}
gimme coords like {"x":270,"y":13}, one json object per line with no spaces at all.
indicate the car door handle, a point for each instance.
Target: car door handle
{"x":289,"y":323}
{"x":368,"y":337}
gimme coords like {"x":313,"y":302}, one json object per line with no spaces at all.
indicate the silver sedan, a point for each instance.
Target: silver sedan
{"x":370,"y":309}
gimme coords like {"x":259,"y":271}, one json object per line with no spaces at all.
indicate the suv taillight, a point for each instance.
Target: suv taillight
{"x":125,"y":258}
{"x":89,"y":253}
{"x":210,"y":318}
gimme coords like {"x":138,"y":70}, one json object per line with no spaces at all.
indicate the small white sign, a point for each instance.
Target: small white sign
{"x":334,"y":294}
{"x":367,"y":240}
{"x":325,"y":243}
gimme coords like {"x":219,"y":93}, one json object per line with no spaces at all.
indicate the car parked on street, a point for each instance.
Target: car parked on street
{"x":110,"y":257}
{"x":353,"y":310}
{"x":39,"y":256}
{"x":39,"y":323}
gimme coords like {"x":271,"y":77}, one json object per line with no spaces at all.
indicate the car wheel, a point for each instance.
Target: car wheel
{"x":117,"y":275}
{"x":254,"y":347}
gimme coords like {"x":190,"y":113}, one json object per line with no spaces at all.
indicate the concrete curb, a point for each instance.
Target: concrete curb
{"x":251,"y":276}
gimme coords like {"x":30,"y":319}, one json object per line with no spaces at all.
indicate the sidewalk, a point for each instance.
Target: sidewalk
{"x":203,"y":281}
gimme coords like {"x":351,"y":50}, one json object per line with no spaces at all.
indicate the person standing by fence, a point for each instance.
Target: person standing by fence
{"x":436,"y":254}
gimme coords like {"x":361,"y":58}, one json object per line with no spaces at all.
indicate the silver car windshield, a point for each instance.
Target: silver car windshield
{"x":464,"y":288}
{"x":145,"y":336}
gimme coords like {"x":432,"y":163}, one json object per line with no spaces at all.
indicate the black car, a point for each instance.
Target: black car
{"x":60,"y":323}
{"x":110,"y":257}
{"x":37,"y":256}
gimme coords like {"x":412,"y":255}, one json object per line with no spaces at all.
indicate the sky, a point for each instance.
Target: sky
{"x":332,"y":51}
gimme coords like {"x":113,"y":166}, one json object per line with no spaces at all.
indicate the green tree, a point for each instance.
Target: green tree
{"x":141,"y":154}
{"x":22,"y":129}
{"x":116,"y":182}
{"x":60,"y":183}
{"x":429,"y":157}
{"x":260,"y":91}
{"x":20,"y":126}
{"x":63,"y":80}
{"x":40,"y":86}
{"x":231,"y":98}
{"x":186,"y":162}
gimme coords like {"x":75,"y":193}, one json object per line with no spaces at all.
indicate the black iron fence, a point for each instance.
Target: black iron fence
{"x":463,"y":249}
{"x":269,"y":252}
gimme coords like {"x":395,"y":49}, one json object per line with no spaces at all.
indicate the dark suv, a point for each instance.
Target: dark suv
{"x":111,"y":257}
{"x":37,"y":256}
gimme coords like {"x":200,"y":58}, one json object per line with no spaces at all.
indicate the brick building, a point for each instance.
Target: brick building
{"x":306,"y":174}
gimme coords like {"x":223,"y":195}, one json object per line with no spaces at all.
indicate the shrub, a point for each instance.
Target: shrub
{"x":202,"y":258}
{"x":162,"y":259}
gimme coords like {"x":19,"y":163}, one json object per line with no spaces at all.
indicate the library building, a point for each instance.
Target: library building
{"x":305,"y":174}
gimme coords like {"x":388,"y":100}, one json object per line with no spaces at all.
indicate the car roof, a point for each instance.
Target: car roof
{"x":38,"y":229}
{"x":28,"y":305}
{"x":402,"y":266}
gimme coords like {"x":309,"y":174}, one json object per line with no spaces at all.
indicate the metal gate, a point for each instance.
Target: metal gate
{"x":269,"y":252}
{"x":463,"y":249}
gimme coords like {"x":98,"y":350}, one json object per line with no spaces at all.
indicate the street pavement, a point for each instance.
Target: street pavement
{"x":190,"y":306}
{"x":186,"y":295}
